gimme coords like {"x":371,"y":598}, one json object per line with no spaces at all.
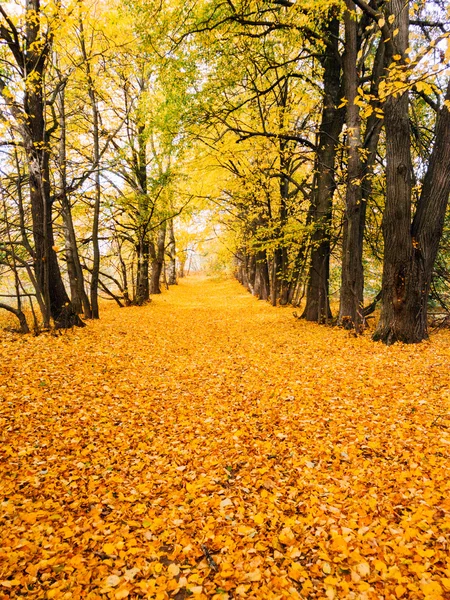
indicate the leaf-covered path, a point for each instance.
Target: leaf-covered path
{"x":213,"y":446}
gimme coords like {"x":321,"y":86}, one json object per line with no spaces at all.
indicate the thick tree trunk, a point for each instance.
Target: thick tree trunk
{"x":48,"y":275}
{"x":142,"y":280}
{"x":262,"y":279}
{"x":317,"y":302}
{"x":394,"y":324}
{"x":405,"y":293}
{"x":352,"y":280}
{"x":429,"y":218}
{"x":157,"y":253}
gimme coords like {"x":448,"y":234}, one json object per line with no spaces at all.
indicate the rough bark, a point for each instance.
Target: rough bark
{"x":142,"y":280}
{"x":352,"y":280}
{"x":48,"y":274}
{"x":317,"y":302}
{"x":157,"y":254}
{"x":262,"y":280}
{"x":406,"y":285}
{"x":251,"y":273}
{"x":397,"y":213}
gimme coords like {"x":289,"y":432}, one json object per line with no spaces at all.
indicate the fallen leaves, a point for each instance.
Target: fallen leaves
{"x":221,"y":450}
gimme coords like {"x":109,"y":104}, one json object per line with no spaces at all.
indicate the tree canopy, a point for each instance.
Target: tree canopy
{"x":314,"y":135}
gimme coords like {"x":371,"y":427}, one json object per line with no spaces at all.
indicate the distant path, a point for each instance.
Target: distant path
{"x":295,"y":454}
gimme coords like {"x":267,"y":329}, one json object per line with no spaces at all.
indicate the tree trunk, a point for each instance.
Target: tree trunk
{"x":48,"y":275}
{"x":30,"y":121}
{"x":142,"y":282}
{"x":317,"y":302}
{"x":144,"y":246}
{"x":262,"y":279}
{"x":79,"y":298}
{"x":395,"y":324}
{"x":171,"y":251}
{"x":280,"y":280}
{"x":95,"y":272}
{"x":251,"y":273}
{"x":352,"y":280}
{"x":406,"y":285}
{"x":157,"y":253}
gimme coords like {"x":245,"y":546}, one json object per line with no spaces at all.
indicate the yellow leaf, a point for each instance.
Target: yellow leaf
{"x":66,"y":532}
{"x":326,"y":568}
{"x":112,"y":581}
{"x":259,"y":518}
{"x":120,"y":594}
{"x":330,"y":593}
{"x":173,"y":570}
{"x":196,"y":590}
{"x":339,"y":545}
{"x":296,"y":571}
{"x":109,"y":548}
{"x":379,"y":565}
{"x":254,"y":575}
{"x":240,"y":591}
{"x":287,"y":536}
{"x":225,"y":503}
{"x":245,"y":530}
{"x":427,"y":553}
{"x":363,"y":569}
{"x":399,"y":591}
{"x":307,"y":587}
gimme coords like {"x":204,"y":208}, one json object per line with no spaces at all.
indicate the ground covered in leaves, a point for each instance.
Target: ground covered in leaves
{"x":210,"y":446}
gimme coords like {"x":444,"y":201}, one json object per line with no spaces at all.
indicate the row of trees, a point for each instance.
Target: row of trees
{"x":340,"y":111}
{"x":91,"y":159}
{"x":317,"y":133}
